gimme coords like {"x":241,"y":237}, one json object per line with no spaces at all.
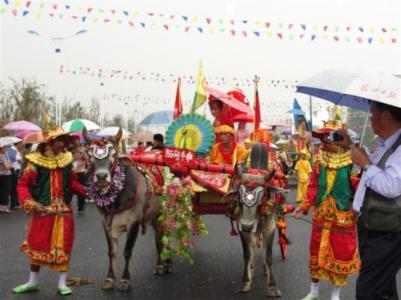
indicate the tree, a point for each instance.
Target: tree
{"x":131,"y":125}
{"x":117,"y":120}
{"x":28,"y":100}
{"x":72,"y":111}
{"x":94,"y":111}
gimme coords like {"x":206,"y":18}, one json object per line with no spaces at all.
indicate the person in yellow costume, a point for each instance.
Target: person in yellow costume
{"x":227,"y":151}
{"x":304,"y":170}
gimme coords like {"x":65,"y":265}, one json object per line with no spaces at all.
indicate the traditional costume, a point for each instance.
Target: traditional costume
{"x":303,"y":169}
{"x":333,"y":246}
{"x":45,"y":191}
{"x":220,"y":155}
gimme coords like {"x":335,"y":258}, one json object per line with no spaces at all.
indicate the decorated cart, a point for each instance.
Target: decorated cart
{"x":188,"y":141}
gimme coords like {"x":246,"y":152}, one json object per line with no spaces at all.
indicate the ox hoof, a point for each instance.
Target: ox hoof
{"x":125,"y":285}
{"x":108,"y":284}
{"x":264,"y":271}
{"x":168,"y":269}
{"x":159,"y":270}
{"x":273,"y":291}
{"x":245,"y":287}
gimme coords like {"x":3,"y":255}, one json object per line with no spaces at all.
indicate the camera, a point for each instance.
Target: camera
{"x":335,"y":137}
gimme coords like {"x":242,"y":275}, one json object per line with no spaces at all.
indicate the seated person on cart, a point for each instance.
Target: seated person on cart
{"x":227,"y":151}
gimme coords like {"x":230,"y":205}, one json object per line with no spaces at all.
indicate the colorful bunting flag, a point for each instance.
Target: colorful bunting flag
{"x":200,"y":92}
{"x":178,"y":102}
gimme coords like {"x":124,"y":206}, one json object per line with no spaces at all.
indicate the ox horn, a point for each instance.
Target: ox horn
{"x":118,"y":136}
{"x":269,"y":176}
{"x":238,"y":171}
{"x":86,"y":135}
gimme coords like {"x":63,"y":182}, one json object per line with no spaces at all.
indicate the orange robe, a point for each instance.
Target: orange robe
{"x":234,"y":155}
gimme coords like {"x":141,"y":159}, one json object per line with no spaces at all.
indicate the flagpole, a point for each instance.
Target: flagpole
{"x":310,"y":112}
{"x":256,"y":80}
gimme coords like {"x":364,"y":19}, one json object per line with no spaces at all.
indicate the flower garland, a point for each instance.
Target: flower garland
{"x":178,"y":220}
{"x":116,"y":186}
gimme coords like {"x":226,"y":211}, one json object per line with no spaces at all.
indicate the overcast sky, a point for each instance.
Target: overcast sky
{"x":171,"y":50}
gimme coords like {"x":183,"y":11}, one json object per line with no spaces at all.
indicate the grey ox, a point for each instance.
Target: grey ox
{"x":256,"y":228}
{"x":136,"y":205}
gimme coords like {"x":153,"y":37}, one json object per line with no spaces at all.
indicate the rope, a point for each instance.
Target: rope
{"x":344,"y":231}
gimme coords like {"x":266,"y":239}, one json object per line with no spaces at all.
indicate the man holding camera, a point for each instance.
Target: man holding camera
{"x":377,"y":203}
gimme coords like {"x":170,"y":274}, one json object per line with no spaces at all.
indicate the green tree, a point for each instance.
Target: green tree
{"x":94,"y":111}
{"x":71,"y":111}
{"x":28,"y":99}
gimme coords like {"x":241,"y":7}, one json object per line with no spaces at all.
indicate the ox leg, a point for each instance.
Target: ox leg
{"x":163,"y":266}
{"x":268,"y":237}
{"x":111,"y":274}
{"x":132,"y":235}
{"x":248,"y":254}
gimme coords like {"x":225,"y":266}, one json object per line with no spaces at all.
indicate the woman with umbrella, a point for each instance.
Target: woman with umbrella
{"x":5,"y":180}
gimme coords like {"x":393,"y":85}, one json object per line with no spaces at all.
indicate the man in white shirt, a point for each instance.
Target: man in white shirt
{"x":380,"y":250}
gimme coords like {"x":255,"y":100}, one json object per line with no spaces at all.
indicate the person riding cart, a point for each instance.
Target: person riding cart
{"x":227,"y":151}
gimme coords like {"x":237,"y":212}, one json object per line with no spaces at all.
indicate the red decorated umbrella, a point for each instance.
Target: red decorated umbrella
{"x":243,"y":118}
{"x":33,"y":138}
{"x":229,"y":100}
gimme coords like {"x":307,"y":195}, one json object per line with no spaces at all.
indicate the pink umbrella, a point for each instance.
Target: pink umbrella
{"x":229,"y":100}
{"x":21,"y":125}
{"x":243,"y":118}
{"x":22,"y":133}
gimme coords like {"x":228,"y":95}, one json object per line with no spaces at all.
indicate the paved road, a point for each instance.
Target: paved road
{"x":216,"y":273}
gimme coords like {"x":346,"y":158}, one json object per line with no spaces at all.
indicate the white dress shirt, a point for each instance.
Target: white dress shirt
{"x":385,"y":182}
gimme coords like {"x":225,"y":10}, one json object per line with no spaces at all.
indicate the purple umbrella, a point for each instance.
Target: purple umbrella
{"x":286,"y":132}
{"x":21,"y":125}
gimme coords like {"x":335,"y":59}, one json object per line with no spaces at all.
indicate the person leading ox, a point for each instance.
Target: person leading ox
{"x":333,"y":245}
{"x":45,"y":192}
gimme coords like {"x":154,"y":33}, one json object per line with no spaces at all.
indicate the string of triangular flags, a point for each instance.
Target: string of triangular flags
{"x":204,"y":25}
{"x":234,"y":81}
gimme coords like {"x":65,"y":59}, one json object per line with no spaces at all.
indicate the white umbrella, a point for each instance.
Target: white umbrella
{"x":353,"y":88}
{"x":9,"y":140}
{"x":282,"y":141}
{"x":111,"y":131}
{"x":273,"y":146}
{"x":79,"y":125}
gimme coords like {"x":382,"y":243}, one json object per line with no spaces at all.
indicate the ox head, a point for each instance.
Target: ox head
{"x":103,"y":156}
{"x":252,"y":193}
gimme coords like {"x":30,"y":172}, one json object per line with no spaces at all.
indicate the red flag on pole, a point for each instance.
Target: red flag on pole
{"x":178,"y":102}
{"x":256,"y":107}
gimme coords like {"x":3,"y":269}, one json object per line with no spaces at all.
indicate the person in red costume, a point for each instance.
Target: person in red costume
{"x":221,"y":112}
{"x":239,"y":97}
{"x":45,"y":191}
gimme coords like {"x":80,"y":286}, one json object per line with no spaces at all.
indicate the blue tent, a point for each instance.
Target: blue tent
{"x":158,"y":118}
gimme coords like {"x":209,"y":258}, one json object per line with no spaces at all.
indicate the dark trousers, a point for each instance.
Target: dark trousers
{"x":381,"y":260}
{"x":5,"y":188}
{"x":15,"y":174}
{"x":81,"y":178}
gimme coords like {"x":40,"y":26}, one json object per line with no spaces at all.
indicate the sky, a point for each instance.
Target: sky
{"x":155,"y":40}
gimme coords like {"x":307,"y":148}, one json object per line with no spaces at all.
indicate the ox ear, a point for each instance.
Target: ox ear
{"x":239,"y":170}
{"x":230,"y":196}
{"x":118,"y":136}
{"x":269,"y":176}
{"x":86,"y":135}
